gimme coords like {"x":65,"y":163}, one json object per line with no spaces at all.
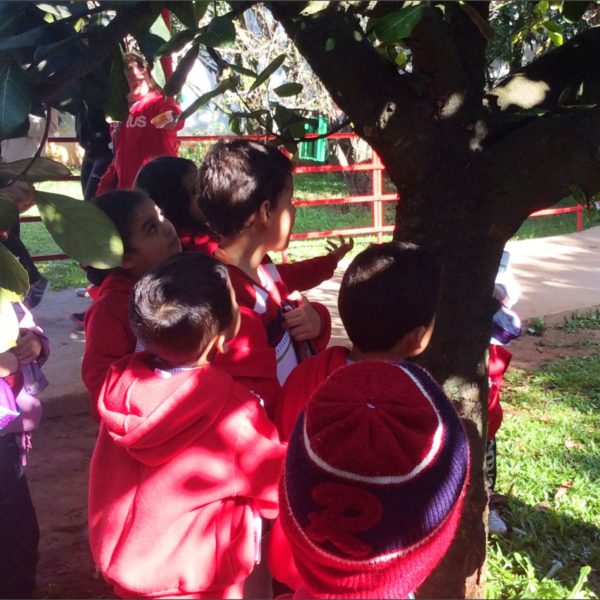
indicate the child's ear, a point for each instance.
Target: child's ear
{"x":221,"y":343}
{"x":418,"y":339}
{"x":264,"y":212}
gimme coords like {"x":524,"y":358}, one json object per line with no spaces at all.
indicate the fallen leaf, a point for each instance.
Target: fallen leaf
{"x":543,"y":506}
{"x":562,"y":490}
{"x":572,"y":444}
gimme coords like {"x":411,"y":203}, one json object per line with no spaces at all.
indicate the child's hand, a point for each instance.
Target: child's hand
{"x":28,"y":347}
{"x":304,"y":322}
{"x":9,"y":363}
{"x":340,"y":249}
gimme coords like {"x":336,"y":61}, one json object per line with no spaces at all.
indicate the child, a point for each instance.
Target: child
{"x":149,"y":131}
{"x":245,"y":195}
{"x":20,"y":380}
{"x":148,"y":239}
{"x":171,"y":182}
{"x":374,"y":482}
{"x":387,"y":302}
{"x":186,"y":459}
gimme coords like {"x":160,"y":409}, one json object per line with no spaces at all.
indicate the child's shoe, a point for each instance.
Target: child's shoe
{"x":36,"y":292}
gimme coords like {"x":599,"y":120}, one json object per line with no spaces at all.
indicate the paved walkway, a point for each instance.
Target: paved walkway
{"x":557,"y":274}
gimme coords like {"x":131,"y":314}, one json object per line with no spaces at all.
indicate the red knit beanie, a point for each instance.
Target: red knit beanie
{"x":374,"y":480}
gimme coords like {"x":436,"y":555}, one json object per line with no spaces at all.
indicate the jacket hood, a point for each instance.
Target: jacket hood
{"x":155,"y":414}
{"x":116,"y":282}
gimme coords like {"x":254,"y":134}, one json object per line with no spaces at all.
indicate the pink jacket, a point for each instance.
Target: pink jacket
{"x":183,"y":464}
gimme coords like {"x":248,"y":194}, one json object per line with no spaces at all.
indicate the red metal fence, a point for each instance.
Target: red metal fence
{"x":376,"y":198}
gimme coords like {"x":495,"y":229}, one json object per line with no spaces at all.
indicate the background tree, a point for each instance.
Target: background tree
{"x":470,"y":161}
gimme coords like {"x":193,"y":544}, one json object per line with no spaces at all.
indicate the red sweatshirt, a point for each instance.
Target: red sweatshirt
{"x":184,"y":462}
{"x":138,"y":141}
{"x":108,"y":334}
{"x":262,"y":354}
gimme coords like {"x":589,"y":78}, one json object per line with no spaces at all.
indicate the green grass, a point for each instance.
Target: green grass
{"x":549,"y":465}
{"x":64,"y":274}
{"x":577,"y":321}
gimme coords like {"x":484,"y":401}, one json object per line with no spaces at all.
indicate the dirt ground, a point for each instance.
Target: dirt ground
{"x":58,"y":471}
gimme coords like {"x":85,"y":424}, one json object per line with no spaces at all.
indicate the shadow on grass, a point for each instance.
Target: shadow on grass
{"x":557,"y":545}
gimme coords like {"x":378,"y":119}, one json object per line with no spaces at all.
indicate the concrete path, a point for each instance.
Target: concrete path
{"x":557,"y":274}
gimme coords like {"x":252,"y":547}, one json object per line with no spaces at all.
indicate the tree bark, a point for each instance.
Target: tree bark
{"x":464,"y":190}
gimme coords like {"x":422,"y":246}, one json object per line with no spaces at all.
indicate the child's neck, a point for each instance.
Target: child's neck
{"x":357,"y":355}
{"x":245,"y":253}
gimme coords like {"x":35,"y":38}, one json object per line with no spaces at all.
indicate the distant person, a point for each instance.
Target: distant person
{"x":93,"y":134}
{"x":149,"y":131}
{"x":172,"y":183}
{"x":374,"y":482}
{"x":148,"y":239}
{"x":186,"y":460}
{"x":20,"y":149}
{"x":21,"y":380}
{"x":245,"y":194}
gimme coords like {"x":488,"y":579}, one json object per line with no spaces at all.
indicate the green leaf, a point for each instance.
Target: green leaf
{"x":185,"y":12}
{"x":9,"y":213}
{"x":200,"y":8}
{"x":9,"y":323}
{"x":219,"y":33}
{"x":177,"y":42}
{"x":268,"y":71}
{"x":182,"y":71}
{"x":82,"y":230}
{"x":557,"y":38}
{"x":16,"y":103}
{"x":288,"y":89}
{"x":573,"y":10}
{"x":242,"y":70}
{"x":42,"y":169}
{"x":227,"y":84}
{"x":398,"y":25}
{"x":14,"y":281}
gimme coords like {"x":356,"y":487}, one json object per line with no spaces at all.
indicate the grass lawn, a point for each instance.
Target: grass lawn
{"x":549,"y":471}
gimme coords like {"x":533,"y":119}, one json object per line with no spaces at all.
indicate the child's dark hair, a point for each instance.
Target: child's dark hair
{"x":182,"y":304}
{"x":387,"y":291}
{"x":162,"y":178}
{"x":119,"y":206}
{"x":235,"y":178}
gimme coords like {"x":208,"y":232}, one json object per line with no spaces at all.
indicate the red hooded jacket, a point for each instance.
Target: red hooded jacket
{"x":138,"y":141}
{"x":252,"y":357}
{"x":184,"y":462}
{"x":108,"y":334}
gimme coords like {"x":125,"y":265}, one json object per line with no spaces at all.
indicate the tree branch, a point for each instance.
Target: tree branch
{"x":533,"y":167}
{"x":554,"y":78}
{"x":123,"y":24}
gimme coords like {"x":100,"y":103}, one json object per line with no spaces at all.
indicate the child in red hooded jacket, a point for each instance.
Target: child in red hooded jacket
{"x":186,"y":460}
{"x":148,"y":238}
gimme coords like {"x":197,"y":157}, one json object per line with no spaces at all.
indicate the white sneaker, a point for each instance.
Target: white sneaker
{"x":82,"y":293}
{"x":495,"y":523}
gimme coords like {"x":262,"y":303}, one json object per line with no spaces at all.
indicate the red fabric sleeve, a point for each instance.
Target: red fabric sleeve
{"x":108,"y":338}
{"x":108,"y":181}
{"x":307,"y":274}
{"x":259,"y":461}
{"x":251,"y":361}
{"x":280,"y":558}
{"x":499,"y":359}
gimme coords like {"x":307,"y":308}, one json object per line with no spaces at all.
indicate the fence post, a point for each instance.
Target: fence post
{"x":377,"y":192}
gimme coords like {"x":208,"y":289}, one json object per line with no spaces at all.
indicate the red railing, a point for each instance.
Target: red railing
{"x":376,"y":198}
